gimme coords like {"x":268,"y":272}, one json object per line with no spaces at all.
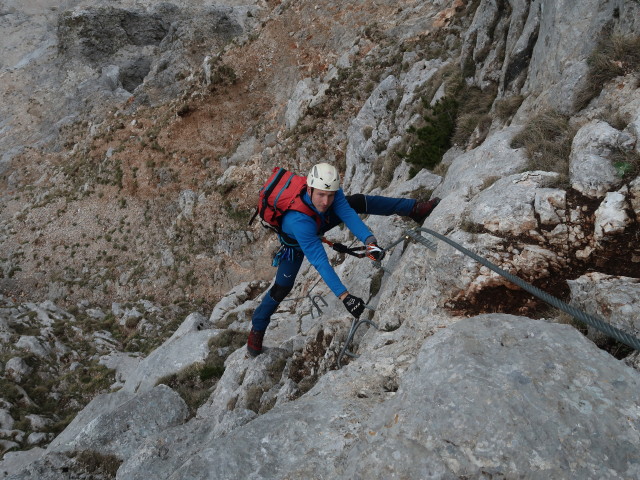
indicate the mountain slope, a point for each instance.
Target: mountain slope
{"x":132,"y":213}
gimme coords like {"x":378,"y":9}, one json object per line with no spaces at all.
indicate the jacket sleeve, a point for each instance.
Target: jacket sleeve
{"x":350,"y":218}
{"x":303,"y":228}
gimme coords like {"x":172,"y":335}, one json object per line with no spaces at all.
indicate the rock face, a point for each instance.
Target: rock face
{"x":478,"y":398}
{"x":434,"y":388}
{"x":102,"y":54}
{"x":469,"y":402}
{"x":121,"y":430}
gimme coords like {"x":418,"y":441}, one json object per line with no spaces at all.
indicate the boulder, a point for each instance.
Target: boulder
{"x":16,"y":369}
{"x":100,"y":405}
{"x":590,"y":167}
{"x":507,"y":207}
{"x":34,"y":345}
{"x":16,"y":462}
{"x":611,"y":217}
{"x":298,"y":103}
{"x":188,"y":345}
{"x":122,"y":430}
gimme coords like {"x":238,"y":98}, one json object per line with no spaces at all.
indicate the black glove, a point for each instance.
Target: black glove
{"x":355,"y":305}
{"x":375,"y":252}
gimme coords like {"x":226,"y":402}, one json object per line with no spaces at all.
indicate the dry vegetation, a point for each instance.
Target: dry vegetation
{"x":614,"y":56}
{"x":547,"y":140}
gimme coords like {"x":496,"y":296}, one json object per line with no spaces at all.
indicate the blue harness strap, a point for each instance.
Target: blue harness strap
{"x":285,"y":252}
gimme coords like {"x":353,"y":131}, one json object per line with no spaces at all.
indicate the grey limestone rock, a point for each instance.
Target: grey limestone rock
{"x":508,"y":206}
{"x":634,"y":197}
{"x":100,"y":405}
{"x":367,"y":129}
{"x":498,"y":387}
{"x":612,"y":298}
{"x":470,"y":171}
{"x":494,"y":393}
{"x":236,"y":297}
{"x":16,"y":368}
{"x":611,"y":217}
{"x":17,"y":461}
{"x":298,"y":103}
{"x":122,"y":430}
{"x":188,"y":345}
{"x":591,"y":168}
{"x":566,"y":35}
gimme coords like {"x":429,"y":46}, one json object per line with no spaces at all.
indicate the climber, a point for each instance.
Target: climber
{"x":325,"y":207}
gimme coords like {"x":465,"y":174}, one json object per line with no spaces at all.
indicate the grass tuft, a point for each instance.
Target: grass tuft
{"x":508,"y":106}
{"x":547,"y":140}
{"x":614,"y":56}
{"x":96,"y":463}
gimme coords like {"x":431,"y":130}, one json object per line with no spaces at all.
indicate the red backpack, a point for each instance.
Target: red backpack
{"x":282,"y":192}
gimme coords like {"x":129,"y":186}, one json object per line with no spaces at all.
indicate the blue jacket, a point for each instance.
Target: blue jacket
{"x":304,"y":230}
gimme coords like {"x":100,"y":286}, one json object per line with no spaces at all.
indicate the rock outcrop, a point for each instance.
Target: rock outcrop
{"x":456,"y":374}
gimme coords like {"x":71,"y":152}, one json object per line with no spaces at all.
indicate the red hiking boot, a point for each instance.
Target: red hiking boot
{"x":422,"y":209}
{"x":254,"y":343}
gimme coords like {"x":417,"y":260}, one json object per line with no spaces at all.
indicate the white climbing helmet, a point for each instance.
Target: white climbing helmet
{"x":324,"y":177}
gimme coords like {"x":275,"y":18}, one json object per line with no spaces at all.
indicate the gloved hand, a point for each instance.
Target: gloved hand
{"x":375,"y":252}
{"x":354,"y":305}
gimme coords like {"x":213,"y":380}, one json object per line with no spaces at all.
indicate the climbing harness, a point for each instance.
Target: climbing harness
{"x":285,"y":253}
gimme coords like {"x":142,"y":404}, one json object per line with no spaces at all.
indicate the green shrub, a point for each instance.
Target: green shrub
{"x":626,"y":163}
{"x":451,"y":120}
{"x":211,"y":371}
{"x":434,"y":138}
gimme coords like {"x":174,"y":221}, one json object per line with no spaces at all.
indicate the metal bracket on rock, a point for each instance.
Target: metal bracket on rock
{"x":415,"y":236}
{"x":355,"y":324}
{"x":315,"y":304}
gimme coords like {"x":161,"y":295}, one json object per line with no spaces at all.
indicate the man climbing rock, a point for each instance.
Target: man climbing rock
{"x":323,"y":206}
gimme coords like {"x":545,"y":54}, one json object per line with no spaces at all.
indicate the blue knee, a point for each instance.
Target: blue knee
{"x":262,"y":315}
{"x":279,"y":292}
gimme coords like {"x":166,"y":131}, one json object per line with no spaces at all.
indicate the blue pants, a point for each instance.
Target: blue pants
{"x":289,"y":266}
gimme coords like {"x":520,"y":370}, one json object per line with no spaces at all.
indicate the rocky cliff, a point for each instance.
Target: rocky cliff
{"x":134,"y":138}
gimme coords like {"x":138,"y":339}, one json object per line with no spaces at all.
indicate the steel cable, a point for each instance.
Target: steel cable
{"x":590,"y":320}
